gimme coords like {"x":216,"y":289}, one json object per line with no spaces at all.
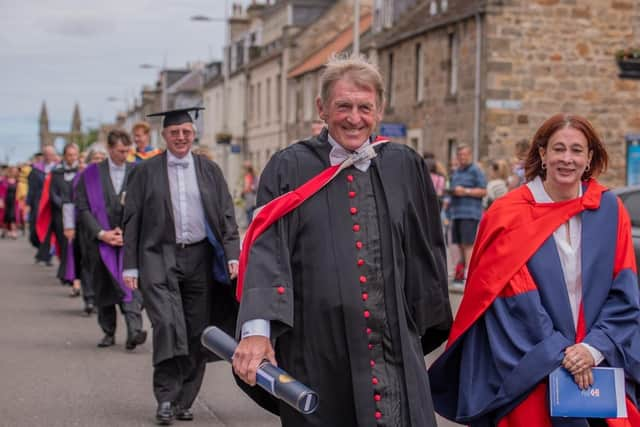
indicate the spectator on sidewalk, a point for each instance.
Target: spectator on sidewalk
{"x":468,"y":187}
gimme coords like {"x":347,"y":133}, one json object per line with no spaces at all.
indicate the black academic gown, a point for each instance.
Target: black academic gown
{"x":36,"y":182}
{"x":302,"y":275}
{"x":150,"y":245}
{"x":106,"y":289}
{"x":60,"y":192}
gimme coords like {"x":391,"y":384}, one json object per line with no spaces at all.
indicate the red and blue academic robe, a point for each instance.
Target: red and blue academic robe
{"x":43,"y":221}
{"x":515,"y":321}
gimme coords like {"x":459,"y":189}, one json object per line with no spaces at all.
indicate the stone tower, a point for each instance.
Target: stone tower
{"x":45,"y":135}
{"x":76,"y":126}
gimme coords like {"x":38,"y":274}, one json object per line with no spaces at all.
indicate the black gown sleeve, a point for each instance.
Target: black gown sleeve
{"x":132,"y":217}
{"x":268,"y":288}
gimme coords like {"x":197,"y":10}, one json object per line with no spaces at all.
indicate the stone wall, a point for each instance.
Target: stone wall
{"x":548,"y":56}
{"x":440,"y":120}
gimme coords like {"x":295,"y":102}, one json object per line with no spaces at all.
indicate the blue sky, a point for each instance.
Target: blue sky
{"x":68,"y":51}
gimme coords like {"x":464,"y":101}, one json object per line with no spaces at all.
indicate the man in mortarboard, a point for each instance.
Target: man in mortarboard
{"x":181,"y":247}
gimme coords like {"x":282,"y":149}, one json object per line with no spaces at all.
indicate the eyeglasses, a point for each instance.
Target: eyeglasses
{"x":175,"y":133}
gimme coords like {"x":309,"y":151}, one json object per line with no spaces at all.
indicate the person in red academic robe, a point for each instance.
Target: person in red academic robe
{"x":351,"y":284}
{"x":552,"y":283}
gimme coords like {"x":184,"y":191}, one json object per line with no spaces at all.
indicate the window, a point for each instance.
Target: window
{"x":390,"y":80}
{"x":453,"y":63}
{"x":252,"y":103}
{"x":291,"y":105}
{"x":258,"y":101}
{"x":278,"y":98}
{"x":268,"y":98}
{"x":308,"y":98}
{"x":419,"y":73}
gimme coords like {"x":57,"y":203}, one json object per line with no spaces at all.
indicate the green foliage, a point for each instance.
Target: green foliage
{"x":88,"y":139}
{"x":630,"y":53}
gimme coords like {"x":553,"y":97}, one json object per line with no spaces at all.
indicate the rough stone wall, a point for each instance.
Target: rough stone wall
{"x":558,"y":56}
{"x":440,"y":117}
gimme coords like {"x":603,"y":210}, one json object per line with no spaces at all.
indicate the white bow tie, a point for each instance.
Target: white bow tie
{"x":179,"y":163}
{"x":360,"y":161}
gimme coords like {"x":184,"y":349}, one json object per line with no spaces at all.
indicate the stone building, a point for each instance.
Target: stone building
{"x":304,"y":78}
{"x":489,"y":72}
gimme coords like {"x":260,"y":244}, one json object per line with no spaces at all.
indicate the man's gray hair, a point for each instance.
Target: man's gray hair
{"x":355,"y":68}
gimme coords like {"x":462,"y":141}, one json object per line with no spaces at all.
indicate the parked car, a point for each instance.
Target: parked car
{"x":630,"y":196}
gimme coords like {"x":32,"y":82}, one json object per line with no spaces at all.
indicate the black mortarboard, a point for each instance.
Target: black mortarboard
{"x":177,"y":117}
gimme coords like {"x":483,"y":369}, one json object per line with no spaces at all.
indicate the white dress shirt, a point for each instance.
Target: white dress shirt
{"x":116,"y":173}
{"x":188,"y":213}
{"x":570,"y":254}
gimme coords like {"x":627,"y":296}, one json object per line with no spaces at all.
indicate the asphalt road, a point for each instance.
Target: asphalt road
{"x":53,"y":375}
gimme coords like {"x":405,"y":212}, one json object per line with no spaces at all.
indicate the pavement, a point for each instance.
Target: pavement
{"x":52,"y":373}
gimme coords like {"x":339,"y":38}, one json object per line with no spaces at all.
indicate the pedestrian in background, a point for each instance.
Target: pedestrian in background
{"x":497,"y":185}
{"x":181,"y":247}
{"x":517,"y":176}
{"x":249,"y":189}
{"x":552,"y":283}
{"x":468,"y":188}
{"x":39,"y":170}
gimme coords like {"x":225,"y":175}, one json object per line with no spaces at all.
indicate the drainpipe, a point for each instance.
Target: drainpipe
{"x":477,"y":99}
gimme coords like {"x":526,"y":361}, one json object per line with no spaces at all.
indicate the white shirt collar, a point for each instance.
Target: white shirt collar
{"x":188,"y":158}
{"x":112,"y":165}
{"x":540,"y":195}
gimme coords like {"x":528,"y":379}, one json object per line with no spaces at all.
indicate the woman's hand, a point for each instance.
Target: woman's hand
{"x":577,"y":359}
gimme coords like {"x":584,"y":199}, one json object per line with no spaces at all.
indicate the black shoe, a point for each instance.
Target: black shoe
{"x":107,"y":341}
{"x":89,"y":309}
{"x":183,"y":414}
{"x":165,"y":414}
{"x":132,"y":341}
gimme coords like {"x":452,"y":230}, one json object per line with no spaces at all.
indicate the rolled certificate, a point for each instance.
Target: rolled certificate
{"x":271,"y":378}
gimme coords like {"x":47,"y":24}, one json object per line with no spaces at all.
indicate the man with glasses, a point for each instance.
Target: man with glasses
{"x":181,"y":247}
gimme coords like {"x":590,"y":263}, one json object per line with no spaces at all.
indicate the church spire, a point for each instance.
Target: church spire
{"x":76,"y":123}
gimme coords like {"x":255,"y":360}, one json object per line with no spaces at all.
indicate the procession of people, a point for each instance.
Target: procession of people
{"x":341,"y":278}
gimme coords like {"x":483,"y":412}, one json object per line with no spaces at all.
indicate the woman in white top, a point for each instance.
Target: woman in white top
{"x":552,"y":283}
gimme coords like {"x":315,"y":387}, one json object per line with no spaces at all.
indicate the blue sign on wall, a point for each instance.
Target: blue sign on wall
{"x":236,"y":148}
{"x":633,"y":159}
{"x":393,"y":130}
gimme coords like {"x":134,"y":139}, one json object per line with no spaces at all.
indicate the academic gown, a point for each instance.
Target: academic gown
{"x":35,"y":184}
{"x":106,"y":289}
{"x":150,"y":246}
{"x":302,"y":276}
{"x":515,"y":320}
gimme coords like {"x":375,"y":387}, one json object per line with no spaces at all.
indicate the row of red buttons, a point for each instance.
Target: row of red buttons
{"x":365,"y":296}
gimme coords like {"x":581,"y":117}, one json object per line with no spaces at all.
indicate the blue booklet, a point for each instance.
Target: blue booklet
{"x":604,"y":399}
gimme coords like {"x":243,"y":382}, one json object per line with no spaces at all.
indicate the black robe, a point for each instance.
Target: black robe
{"x":35,"y":184}
{"x":106,"y":289}
{"x":150,"y":245}
{"x":303,"y":277}
{"x":60,"y":192}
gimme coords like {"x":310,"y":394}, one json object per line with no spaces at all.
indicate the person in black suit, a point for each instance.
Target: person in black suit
{"x":99,"y":203}
{"x":181,"y":248}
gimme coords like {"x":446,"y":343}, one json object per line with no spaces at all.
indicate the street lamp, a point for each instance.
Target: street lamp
{"x":205,"y":18}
